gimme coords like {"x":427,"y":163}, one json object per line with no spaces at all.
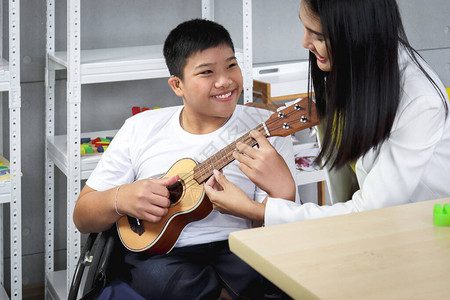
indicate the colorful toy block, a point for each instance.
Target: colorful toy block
{"x":86,"y":149}
{"x":94,"y":146}
{"x":135,"y":110}
{"x":441,"y":215}
{"x":3,"y":169}
{"x":100,"y":142}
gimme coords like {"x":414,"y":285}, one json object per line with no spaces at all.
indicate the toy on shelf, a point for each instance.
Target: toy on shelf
{"x":96,"y":146}
{"x":137,"y":109}
{"x":4,"y":169}
{"x":441,"y":215}
{"x":305,"y":158}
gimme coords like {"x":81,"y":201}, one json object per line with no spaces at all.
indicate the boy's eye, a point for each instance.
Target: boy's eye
{"x":206,"y":72}
{"x":232,"y":65}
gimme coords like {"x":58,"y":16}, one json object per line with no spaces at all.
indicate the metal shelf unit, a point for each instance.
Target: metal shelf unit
{"x":10,"y":190}
{"x":87,"y":67}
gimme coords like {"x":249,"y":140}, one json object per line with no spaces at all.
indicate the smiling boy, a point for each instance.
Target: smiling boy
{"x":127,"y":181}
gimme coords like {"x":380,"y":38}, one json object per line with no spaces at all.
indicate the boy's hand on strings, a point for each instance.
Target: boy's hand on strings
{"x":266,"y":167}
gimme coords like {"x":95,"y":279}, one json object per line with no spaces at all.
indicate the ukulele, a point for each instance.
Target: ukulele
{"x":187,"y":196}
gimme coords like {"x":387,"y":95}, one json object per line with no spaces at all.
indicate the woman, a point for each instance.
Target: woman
{"x":384,"y":112}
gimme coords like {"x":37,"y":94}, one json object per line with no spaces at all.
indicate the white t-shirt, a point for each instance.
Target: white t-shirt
{"x":149,"y":143}
{"x":412,"y":165}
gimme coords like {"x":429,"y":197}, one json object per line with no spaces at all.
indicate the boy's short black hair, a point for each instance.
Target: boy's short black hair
{"x":190,"y":37}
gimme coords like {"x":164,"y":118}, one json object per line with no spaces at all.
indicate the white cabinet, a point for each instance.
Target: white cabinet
{"x":10,"y":188}
{"x":88,"y":67}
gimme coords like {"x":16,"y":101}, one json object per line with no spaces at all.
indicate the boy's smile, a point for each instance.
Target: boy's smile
{"x":224,"y":97}
{"x":211,"y":86}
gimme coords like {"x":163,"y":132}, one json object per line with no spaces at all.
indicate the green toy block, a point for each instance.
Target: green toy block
{"x":441,"y":215}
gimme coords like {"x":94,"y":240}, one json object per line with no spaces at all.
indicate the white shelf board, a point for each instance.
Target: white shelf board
{"x":120,"y":64}
{"x":3,"y":294}
{"x":57,"y":150}
{"x":285,"y":78}
{"x":4,"y":75}
{"x":304,"y":177}
{"x":117,"y":64}
{"x":56,"y":285}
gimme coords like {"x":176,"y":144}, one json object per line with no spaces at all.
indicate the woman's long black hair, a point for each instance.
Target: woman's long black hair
{"x":358,"y":99}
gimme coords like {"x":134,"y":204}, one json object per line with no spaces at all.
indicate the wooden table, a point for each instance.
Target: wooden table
{"x":390,"y":253}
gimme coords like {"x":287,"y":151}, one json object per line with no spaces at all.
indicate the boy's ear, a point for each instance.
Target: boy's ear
{"x":174,"y":83}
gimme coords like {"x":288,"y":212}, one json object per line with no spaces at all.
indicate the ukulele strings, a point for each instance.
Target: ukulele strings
{"x":189,"y":176}
{"x":189,"y":179}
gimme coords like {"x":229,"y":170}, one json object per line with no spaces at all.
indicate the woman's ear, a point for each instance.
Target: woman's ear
{"x":174,"y":83}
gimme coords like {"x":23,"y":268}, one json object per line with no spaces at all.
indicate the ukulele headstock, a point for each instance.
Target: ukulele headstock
{"x":296,"y":117}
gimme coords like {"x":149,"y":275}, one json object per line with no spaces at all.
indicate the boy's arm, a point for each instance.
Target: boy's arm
{"x":147,"y":199}
{"x":94,"y":210}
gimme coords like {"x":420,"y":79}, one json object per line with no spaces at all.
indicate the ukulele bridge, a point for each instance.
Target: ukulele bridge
{"x":136,"y":225}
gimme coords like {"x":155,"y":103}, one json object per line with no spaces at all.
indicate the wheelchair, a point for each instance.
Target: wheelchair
{"x":99,"y":260}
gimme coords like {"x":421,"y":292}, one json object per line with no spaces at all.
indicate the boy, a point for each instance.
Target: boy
{"x":205,"y":74}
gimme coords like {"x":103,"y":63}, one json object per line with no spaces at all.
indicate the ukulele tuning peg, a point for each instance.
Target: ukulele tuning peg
{"x":281,"y":115}
{"x":286,"y":126}
{"x":297,"y":107}
{"x":304,"y":119}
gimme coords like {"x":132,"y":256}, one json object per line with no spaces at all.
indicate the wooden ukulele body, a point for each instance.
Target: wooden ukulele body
{"x":192,"y":205}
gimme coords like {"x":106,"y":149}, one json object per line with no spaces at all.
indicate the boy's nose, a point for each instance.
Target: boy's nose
{"x":223,"y":81}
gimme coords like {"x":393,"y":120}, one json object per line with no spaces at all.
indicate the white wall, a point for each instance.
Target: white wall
{"x":276,"y":35}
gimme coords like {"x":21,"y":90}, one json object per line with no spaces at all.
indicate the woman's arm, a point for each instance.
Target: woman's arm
{"x":227,"y":198}
{"x":266,"y":168}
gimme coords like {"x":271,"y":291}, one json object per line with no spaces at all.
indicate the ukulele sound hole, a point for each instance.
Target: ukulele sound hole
{"x":176,"y":191}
